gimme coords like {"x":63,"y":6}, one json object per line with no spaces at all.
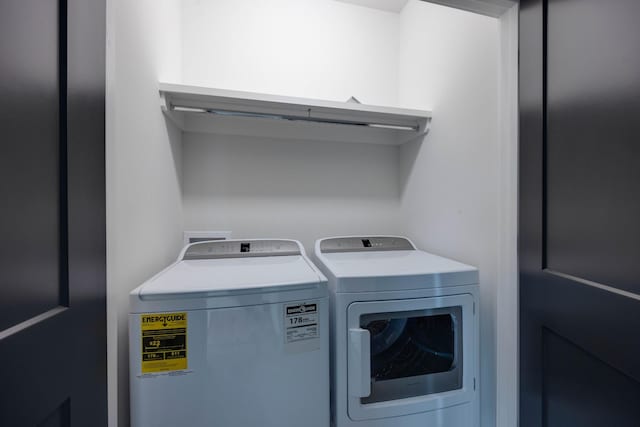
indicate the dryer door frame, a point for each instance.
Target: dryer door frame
{"x":359,"y":357}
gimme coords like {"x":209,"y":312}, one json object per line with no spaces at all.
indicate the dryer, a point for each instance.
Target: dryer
{"x":234,"y":334}
{"x":404,"y":334}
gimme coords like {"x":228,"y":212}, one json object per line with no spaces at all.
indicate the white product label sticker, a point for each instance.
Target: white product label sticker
{"x":301,"y":321}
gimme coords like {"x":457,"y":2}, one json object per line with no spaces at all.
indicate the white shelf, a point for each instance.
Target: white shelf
{"x":227,"y":112}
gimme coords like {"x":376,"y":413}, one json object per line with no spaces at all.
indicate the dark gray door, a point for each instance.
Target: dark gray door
{"x":579,"y":231}
{"x":52,"y":215}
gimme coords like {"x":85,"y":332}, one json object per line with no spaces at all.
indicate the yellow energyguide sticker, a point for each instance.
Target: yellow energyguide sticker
{"x":164,"y":342}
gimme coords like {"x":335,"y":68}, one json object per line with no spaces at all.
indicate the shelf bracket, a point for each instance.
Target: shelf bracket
{"x":174,"y":116}
{"x":427,"y":127}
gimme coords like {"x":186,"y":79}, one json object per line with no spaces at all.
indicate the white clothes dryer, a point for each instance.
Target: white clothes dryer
{"x":234,"y":334}
{"x":404,"y":334}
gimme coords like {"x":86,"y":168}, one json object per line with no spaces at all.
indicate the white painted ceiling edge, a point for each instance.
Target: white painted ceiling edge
{"x":388,"y":5}
{"x":493,"y":8}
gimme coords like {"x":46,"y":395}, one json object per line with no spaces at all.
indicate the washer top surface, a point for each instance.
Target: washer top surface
{"x":391,"y":263}
{"x":348,"y":259}
{"x":220,"y":268}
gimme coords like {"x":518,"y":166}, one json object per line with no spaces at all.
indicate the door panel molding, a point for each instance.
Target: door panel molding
{"x":576,"y":383}
{"x":591,"y":100}
{"x":16,"y":329}
{"x":600,"y":286}
{"x":26,"y":362}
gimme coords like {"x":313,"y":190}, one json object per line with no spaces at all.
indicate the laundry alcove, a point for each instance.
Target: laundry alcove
{"x":441,"y":181}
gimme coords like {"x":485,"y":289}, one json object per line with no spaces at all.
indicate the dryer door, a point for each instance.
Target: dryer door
{"x":410,"y":356}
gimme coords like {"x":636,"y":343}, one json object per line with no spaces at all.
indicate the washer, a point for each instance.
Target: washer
{"x":235,"y":333}
{"x":404,"y":334}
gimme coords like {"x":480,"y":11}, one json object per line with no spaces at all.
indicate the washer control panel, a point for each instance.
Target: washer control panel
{"x":241,"y":249}
{"x":365,"y":243}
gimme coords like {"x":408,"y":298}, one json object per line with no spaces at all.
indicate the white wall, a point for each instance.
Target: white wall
{"x":449,"y":63}
{"x":144,"y":209}
{"x":292,"y":189}
{"x":298,"y":189}
{"x":311,"y":48}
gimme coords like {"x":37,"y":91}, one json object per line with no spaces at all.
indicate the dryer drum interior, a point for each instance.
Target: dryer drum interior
{"x":414,"y":353}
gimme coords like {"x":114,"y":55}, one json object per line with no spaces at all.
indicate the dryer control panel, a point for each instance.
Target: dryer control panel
{"x":365,"y":243}
{"x":241,"y":249}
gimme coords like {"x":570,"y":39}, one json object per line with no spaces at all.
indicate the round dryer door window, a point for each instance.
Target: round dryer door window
{"x":414,"y":353}
{"x":418,"y":353}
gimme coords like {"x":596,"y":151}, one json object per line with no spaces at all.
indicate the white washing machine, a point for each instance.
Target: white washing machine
{"x":234,"y":334}
{"x":404,"y":334}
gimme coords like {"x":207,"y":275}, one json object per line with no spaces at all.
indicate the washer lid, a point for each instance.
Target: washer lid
{"x":389,"y":256}
{"x":223,"y":273}
{"x":392,"y":263}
